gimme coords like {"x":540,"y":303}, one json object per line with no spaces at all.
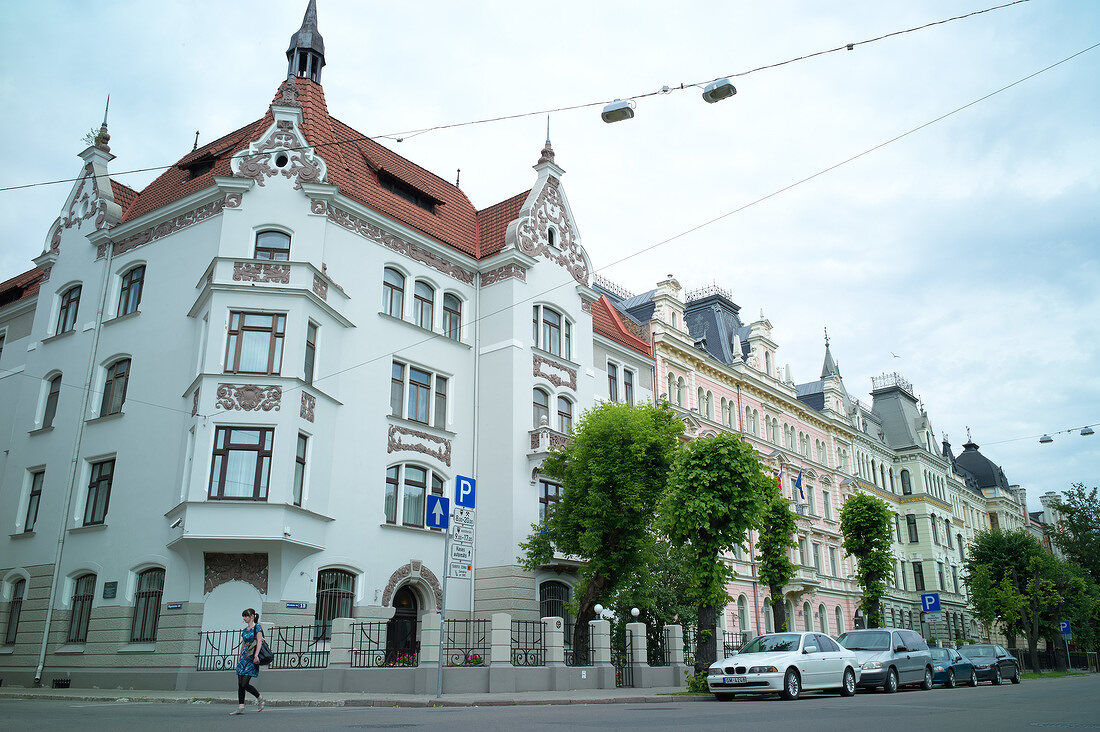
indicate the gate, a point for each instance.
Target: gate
{"x":622,"y":658}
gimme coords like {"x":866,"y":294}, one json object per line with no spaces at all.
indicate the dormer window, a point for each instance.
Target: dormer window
{"x":552,"y":237}
{"x":407,"y":191}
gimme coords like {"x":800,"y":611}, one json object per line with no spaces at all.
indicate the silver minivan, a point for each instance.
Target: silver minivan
{"x":890,"y":657}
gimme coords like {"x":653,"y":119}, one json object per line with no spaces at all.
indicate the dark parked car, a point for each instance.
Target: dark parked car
{"x":949,"y":668}
{"x":993,"y":663}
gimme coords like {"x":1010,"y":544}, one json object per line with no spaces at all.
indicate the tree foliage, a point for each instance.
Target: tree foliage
{"x":613,"y":474}
{"x":1077,"y":534}
{"x":774,"y":541}
{"x":865,"y":524}
{"x":715,"y":495}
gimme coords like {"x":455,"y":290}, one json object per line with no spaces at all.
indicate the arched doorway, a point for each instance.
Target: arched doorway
{"x":401,"y":630}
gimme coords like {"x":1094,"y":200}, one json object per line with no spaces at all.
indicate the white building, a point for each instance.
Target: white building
{"x":236,"y":387}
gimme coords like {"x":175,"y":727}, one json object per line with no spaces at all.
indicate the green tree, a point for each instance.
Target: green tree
{"x":1077,"y":534}
{"x":715,"y":494}
{"x":613,"y":473}
{"x":659,"y":590}
{"x":775,"y":539}
{"x":865,"y":524}
{"x":1008,"y":585}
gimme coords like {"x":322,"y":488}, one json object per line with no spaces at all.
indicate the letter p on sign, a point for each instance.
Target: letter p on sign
{"x":465,"y":491}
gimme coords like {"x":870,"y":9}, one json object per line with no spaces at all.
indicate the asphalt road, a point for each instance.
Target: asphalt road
{"x":1064,"y":703}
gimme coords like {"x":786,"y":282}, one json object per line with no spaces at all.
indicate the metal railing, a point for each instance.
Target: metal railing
{"x":528,"y":643}
{"x":732,"y":641}
{"x":622,"y":658}
{"x":293,"y":647}
{"x":370,"y":648}
{"x":466,"y":643}
{"x":690,"y":636}
{"x":578,"y":655}
{"x":1048,"y":659}
{"x":656,"y":649}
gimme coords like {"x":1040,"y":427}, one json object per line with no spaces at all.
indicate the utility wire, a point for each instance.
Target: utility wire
{"x":401,"y":136}
{"x":710,"y":221}
{"x":1044,"y":434}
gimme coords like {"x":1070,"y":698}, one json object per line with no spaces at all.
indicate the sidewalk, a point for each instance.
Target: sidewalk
{"x":349,"y":699}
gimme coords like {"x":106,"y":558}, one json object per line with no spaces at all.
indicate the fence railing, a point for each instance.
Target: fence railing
{"x":622,"y":658}
{"x":293,"y":646}
{"x":690,"y":640}
{"x":528,"y":643}
{"x":466,"y":643}
{"x":732,"y":641}
{"x":656,"y":649}
{"x":370,"y":648}
{"x":578,"y":655}
{"x":1048,"y":661}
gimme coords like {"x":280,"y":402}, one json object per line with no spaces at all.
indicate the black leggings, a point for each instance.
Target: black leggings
{"x":244,"y":683}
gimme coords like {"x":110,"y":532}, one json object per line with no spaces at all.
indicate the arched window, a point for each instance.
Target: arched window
{"x":15,"y":607}
{"x":748,"y":419}
{"x":935,"y":530}
{"x":769,"y":618}
{"x":822,"y":619}
{"x":807,"y":617}
{"x":681,"y":392}
{"x":839,"y":620}
{"x":66,"y":315}
{"x":423,"y":299}
{"x":892,"y":489}
{"x":401,"y":628}
{"x":541,"y":402}
{"x":83,"y":594}
{"x":874,"y":473}
{"x":790,"y":615}
{"x":554,"y":599}
{"x":130,"y":294}
{"x":722,"y":413}
{"x":114,"y":388}
{"x":565,"y":415}
{"x":882,"y":475}
{"x":700,"y":402}
{"x":452,"y":316}
{"x":552,"y":237}
{"x":671,"y":387}
{"x":551,"y":331}
{"x":335,"y":595}
{"x":768,"y":363}
{"x":150,"y":587}
{"x":53,"y":393}
{"x":393,"y":292}
{"x":407,"y":487}
{"x":273,"y":245}
{"x":743,"y":614}
{"x":906,"y":485}
{"x":710,"y":405}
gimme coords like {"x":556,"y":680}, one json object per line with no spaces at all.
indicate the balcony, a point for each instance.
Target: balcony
{"x":277,"y":277}
{"x":543,"y":439}
{"x":806,"y":579}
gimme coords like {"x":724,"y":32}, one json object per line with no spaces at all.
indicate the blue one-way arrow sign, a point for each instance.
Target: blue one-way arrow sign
{"x":930,"y":602}
{"x":438,"y":513}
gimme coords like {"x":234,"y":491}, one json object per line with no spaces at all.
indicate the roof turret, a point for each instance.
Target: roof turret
{"x":306,"y":54}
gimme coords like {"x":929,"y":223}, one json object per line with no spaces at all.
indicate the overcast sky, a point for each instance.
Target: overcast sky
{"x":971,"y":248}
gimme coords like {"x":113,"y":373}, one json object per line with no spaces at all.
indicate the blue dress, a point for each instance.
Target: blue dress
{"x":245,"y":667}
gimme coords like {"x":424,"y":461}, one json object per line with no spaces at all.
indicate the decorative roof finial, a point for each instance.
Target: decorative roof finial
{"x":306,"y":54}
{"x":103,"y":137}
{"x":547,"y":155}
{"x":826,"y":336}
{"x":968,"y":437}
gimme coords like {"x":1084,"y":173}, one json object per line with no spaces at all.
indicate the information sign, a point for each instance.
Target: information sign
{"x":458,"y":570}
{"x":462,"y":534}
{"x":464,"y":516}
{"x":462,"y":553}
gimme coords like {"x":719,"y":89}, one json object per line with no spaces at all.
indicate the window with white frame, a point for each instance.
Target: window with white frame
{"x":407,"y":487}
{"x":628,"y":386}
{"x":565,"y":415}
{"x":826,"y":501}
{"x":541,"y":402}
{"x":418,"y":395}
{"x":423,"y":304}
{"x":612,"y":382}
{"x":834,"y":566}
{"x":255,"y":343}
{"x":129,"y":295}
{"x":551,"y":331}
{"x":114,"y":387}
{"x":452,"y":316}
{"x":66,"y":314}
{"x":393,"y":292}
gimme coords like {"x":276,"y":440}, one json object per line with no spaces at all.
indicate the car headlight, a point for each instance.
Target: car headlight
{"x":939,"y":668}
{"x":872,"y":664}
{"x":982,"y":666}
{"x":714,"y":671}
{"x":763,"y":670}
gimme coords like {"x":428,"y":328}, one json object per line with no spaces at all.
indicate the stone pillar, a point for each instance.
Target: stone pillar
{"x":601,"y":642}
{"x":554,"y":639}
{"x":340,"y":646}
{"x":501,"y":639}
{"x":674,"y":643}
{"x":638,"y":651}
{"x":429,"y":639}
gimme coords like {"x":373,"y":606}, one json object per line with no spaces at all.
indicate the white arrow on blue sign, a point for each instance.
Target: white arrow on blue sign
{"x":438,"y":513}
{"x":465,"y":491}
{"x":930,"y":602}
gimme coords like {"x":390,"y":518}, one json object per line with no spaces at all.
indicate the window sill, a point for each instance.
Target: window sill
{"x":104,"y":418}
{"x":22,"y":535}
{"x":58,"y":336}
{"x":138,"y":648}
{"x":88,"y":528}
{"x":41,"y":430}
{"x":414,"y":529}
{"x":440,"y":336}
{"x":120,"y":318}
{"x":560,"y":359}
{"x":70,"y":648}
{"x":7,"y":650}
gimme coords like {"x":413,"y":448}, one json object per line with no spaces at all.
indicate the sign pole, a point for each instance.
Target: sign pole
{"x":442,"y":615}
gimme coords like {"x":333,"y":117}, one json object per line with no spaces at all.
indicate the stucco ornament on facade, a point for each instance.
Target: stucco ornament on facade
{"x":367,"y":230}
{"x":554,"y":372}
{"x":282,"y":150}
{"x":259,"y":272}
{"x":195,"y":403}
{"x":320,"y":287}
{"x":414,"y":570}
{"x":309,"y":403}
{"x":500,"y":274}
{"x":219,"y":568}
{"x":146,"y":236}
{"x":418,"y":441}
{"x":532,"y":233}
{"x":249,"y":397}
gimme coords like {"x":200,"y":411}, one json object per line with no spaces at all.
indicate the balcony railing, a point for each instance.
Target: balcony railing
{"x":543,"y":439}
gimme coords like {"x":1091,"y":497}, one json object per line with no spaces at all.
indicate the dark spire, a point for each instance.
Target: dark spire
{"x":829,"y":368}
{"x":306,"y":54}
{"x":547,"y":155}
{"x":103,"y":137}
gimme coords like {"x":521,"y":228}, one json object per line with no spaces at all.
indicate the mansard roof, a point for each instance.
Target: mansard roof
{"x":607,"y":322}
{"x":713,"y":321}
{"x":357,"y":165}
{"x":984,"y":471}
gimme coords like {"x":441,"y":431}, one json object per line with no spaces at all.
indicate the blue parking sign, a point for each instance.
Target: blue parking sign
{"x":465,"y":491}
{"x":930,"y":602}
{"x":1064,"y":627}
{"x":438,"y":512}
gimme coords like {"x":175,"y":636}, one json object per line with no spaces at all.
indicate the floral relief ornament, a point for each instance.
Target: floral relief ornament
{"x":248,"y":397}
{"x":532,"y":237}
{"x":283,"y":150}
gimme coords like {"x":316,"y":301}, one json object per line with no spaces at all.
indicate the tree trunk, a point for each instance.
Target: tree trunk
{"x":594,"y":590}
{"x":779,"y":610}
{"x":705,"y":648}
{"x":873,"y":614}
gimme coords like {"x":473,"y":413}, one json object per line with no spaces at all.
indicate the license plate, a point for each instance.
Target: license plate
{"x":735,"y":679}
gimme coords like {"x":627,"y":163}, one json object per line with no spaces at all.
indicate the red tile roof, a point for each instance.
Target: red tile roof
{"x":606,"y":322}
{"x":124,"y":195}
{"x":21,"y":286}
{"x":353,"y":162}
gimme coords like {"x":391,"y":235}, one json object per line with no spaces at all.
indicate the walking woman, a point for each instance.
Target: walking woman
{"x":247,"y":669}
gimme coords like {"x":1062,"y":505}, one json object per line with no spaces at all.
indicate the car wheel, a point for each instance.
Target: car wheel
{"x":792,"y":686}
{"x":1016,"y":675}
{"x":926,"y":684}
{"x":973,"y":678}
{"x":891,"y":683}
{"x":724,"y":697}
{"x":997,"y":676}
{"x":849,"y":686}
{"x":950,"y":683}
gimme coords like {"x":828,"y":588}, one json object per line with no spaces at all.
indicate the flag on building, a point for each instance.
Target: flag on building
{"x":798,"y":485}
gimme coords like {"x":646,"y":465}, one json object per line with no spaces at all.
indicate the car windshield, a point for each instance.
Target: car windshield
{"x":772,"y":643}
{"x":868,"y":641}
{"x":940,"y":654}
{"x":977,"y":652}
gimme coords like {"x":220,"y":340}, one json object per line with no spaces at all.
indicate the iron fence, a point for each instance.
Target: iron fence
{"x":218,"y":650}
{"x":578,"y":655}
{"x":293,"y":647}
{"x":657,"y":649}
{"x":690,"y":642}
{"x":528,"y":643}
{"x":370,"y":648}
{"x":466,"y":643}
{"x":732,"y":641}
{"x":1049,"y":659}
{"x":622,"y":658}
